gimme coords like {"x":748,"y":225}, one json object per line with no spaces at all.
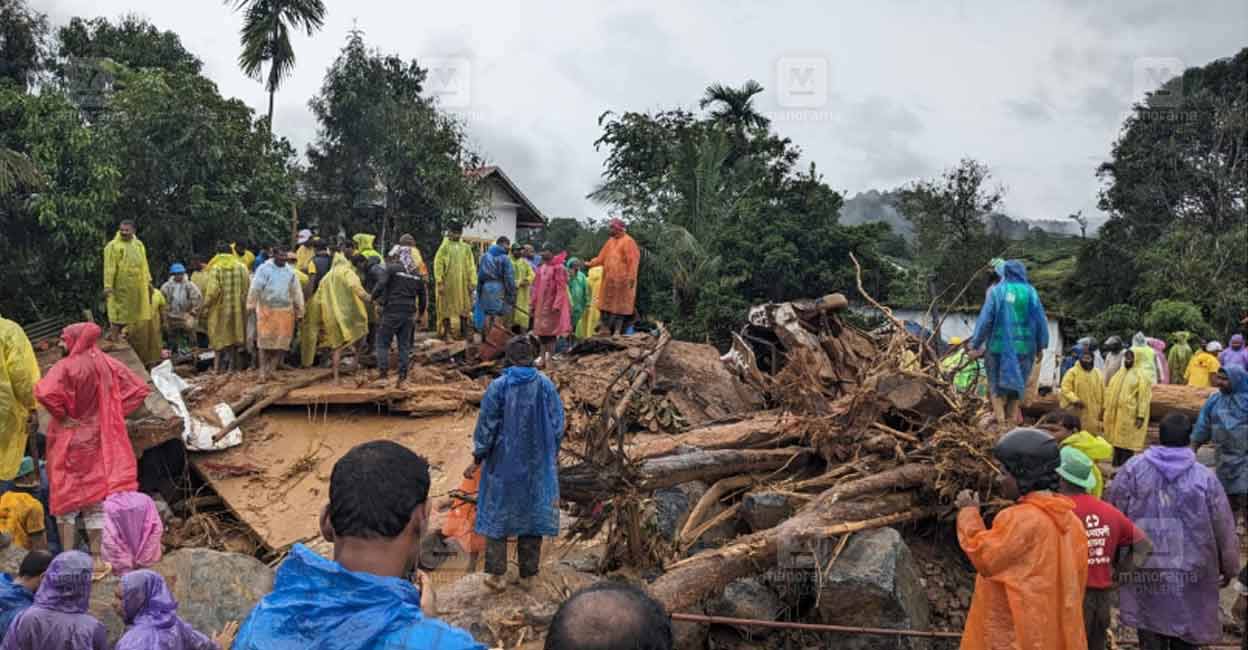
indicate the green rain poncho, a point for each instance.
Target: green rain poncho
{"x":578,"y":291}
{"x":455,"y":272}
{"x":127,"y":275}
{"x":364,"y":245}
{"x":1179,"y":356}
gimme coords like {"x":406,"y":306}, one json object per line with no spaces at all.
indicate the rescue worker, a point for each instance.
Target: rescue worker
{"x":1083,"y":388}
{"x":226,"y":306}
{"x":364,"y":246}
{"x":1113,"y":357}
{"x":455,"y":277}
{"x":496,"y":284}
{"x":60,"y":616}
{"x":552,"y":311}
{"x":1071,"y":433}
{"x":593,"y":316}
{"x":1179,"y":356}
{"x":147,"y":337}
{"x":19,"y":373}
{"x":1032,"y":565}
{"x":1203,"y":365}
{"x":620,"y":259}
{"x":1128,"y":401}
{"x":1223,"y":421}
{"x":183,"y":300}
{"x":127,"y":280}
{"x":305,"y":250}
{"x":341,"y":307}
{"x":967,"y":373}
{"x":277,"y":298}
{"x":578,"y":290}
{"x":524,"y":284}
{"x":1145,"y":358}
{"x":1013,"y":330}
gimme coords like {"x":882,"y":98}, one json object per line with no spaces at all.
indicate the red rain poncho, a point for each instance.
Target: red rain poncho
{"x":93,"y":459}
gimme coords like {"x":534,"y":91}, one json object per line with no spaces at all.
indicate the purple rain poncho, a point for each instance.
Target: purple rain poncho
{"x":59,"y":617}
{"x":152,"y":614}
{"x":132,"y":532}
{"x":1232,"y":358}
{"x":1013,"y":326}
{"x":1182,"y":508}
{"x":1224,"y":420}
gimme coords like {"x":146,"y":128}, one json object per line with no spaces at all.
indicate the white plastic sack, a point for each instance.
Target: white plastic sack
{"x":196,"y":433}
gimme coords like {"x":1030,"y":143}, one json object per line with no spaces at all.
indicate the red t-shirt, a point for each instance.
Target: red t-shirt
{"x":1108,"y":530}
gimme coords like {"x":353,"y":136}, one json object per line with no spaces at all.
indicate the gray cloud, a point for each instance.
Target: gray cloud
{"x":1028,"y":110}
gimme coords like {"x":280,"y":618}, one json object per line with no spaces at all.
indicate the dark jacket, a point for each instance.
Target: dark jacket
{"x":322,"y":262}
{"x":398,"y":290}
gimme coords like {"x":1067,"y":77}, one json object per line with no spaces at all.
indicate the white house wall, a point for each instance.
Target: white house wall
{"x":500,"y":219}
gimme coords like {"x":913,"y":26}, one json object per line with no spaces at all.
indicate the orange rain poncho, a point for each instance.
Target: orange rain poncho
{"x":620,"y":259}
{"x":463,"y":517}
{"x":1033,"y":568}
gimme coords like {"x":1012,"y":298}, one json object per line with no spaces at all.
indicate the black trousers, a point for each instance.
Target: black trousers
{"x":395,"y":325}
{"x":1096,"y":606}
{"x":1154,"y":641}
{"x":1121,"y":456}
{"x":529,"y":548}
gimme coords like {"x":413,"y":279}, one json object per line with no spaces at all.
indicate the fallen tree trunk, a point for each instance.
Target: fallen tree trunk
{"x":688,"y":582}
{"x":273,"y":397}
{"x":758,"y":432}
{"x":1167,"y":399}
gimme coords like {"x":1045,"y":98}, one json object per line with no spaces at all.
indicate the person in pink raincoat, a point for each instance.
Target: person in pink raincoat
{"x":1163,"y":366}
{"x":552,"y":310}
{"x":132,"y":532}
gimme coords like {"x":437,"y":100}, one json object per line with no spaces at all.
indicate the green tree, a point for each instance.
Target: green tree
{"x":1168,"y":316}
{"x":265,"y":38}
{"x":23,"y":43}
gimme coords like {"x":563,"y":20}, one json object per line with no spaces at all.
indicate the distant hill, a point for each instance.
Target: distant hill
{"x":875,"y":206}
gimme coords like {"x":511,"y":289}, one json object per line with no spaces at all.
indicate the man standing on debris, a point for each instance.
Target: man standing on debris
{"x":1083,"y":388}
{"x":496,"y":284}
{"x":1014,"y":330}
{"x":516,"y":445}
{"x":226,"y":305}
{"x":19,"y":372}
{"x":1115,"y":545}
{"x":552,"y":309}
{"x":1224,"y":421}
{"x":620,"y":259}
{"x":401,"y":294}
{"x":88,"y":394}
{"x":1033,"y":563}
{"x":277,"y":299}
{"x":455,"y":273}
{"x":1172,"y":598}
{"x":578,"y":290}
{"x":183,"y":300}
{"x":364,"y":597}
{"x":342,"y":314}
{"x":1128,"y":401}
{"x":127,"y":280}
{"x":524,"y":283}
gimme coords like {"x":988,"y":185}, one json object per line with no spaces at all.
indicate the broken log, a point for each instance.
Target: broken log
{"x":1167,"y":399}
{"x":910,"y":393}
{"x":758,"y":432}
{"x":427,"y":408}
{"x":273,"y":397}
{"x":709,"y":498}
{"x":688,"y":582}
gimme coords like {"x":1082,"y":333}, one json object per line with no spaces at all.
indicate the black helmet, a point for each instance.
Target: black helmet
{"x":1113,"y":344}
{"x":1031,"y":456}
{"x":1088,"y":343}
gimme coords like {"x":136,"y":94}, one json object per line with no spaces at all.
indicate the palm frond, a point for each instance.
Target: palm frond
{"x":17,"y":170}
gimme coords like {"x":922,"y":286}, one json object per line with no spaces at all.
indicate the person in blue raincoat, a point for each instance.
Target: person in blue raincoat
{"x":363,"y":599}
{"x":496,"y":284}
{"x":1224,"y":421}
{"x":516,"y":445}
{"x":1012,"y":332}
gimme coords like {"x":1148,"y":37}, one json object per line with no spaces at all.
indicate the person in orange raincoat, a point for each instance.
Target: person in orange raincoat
{"x":1033,"y":562}
{"x":458,"y":526}
{"x":620,"y":258}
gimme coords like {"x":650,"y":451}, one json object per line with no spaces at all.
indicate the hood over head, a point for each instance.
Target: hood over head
{"x":144,"y":594}
{"x":1171,"y":462}
{"x":66,"y":586}
{"x":80,"y":337}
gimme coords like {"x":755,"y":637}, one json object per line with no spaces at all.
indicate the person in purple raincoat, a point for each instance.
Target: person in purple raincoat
{"x":1235,"y":354}
{"x":152,"y":614}
{"x":1172,"y":598}
{"x":59,"y":617}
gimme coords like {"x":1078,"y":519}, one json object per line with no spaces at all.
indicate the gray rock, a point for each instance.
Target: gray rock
{"x":502,"y":619}
{"x":748,"y":598}
{"x":670,"y":507}
{"x":762,"y":510}
{"x":214,"y":588}
{"x":875,"y":583}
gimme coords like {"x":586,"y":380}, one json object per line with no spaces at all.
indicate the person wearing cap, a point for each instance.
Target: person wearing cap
{"x":304,"y":249}
{"x":1083,"y":388}
{"x":1203,"y":364}
{"x":455,"y":278}
{"x":620,"y":259}
{"x":1032,"y":564}
{"x":967,"y":373}
{"x":516,"y":447}
{"x":1172,"y":598}
{"x":182,"y":302}
{"x":1115,"y":545}
{"x":22,"y":515}
{"x":1236,"y":354}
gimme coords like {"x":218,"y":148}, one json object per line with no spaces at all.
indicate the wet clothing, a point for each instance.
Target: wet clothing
{"x":519,"y":431}
{"x":92,"y":459}
{"x":342,"y":316}
{"x":1179,"y":356}
{"x":1145,"y":358}
{"x":1032,"y":568}
{"x":181,"y":298}
{"x":1097,"y":609}
{"x":455,"y":273}
{"x":578,"y":295}
{"x":1201,"y":368}
{"x":1113,"y":363}
{"x":226,"y":302}
{"x":58,"y":619}
{"x":496,"y":282}
{"x":147,"y":337}
{"x":1013,"y":327}
{"x":395,"y":327}
{"x":620,"y":259}
{"x":528,"y":555}
{"x":317,"y":603}
{"x":1224,"y":421}
{"x":277,"y":299}
{"x":1108,"y":531}
{"x":19,"y":372}
{"x":127,"y":274}
{"x":1096,"y":448}
{"x":364,"y":246}
{"x":1127,"y":399}
{"x":14,"y":599}
{"x":303,"y":255}
{"x":1086,"y":387}
{"x":318,"y":268}
{"x":400,"y":292}
{"x":151,"y":611}
{"x":1232,"y":357}
{"x":588,"y":325}
{"x":552,"y":310}
{"x":524,"y":286}
{"x":1183,"y":509}
{"x":21,"y":518}
{"x":132,"y":532}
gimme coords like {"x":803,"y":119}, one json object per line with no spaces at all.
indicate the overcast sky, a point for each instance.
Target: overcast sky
{"x":876,"y":93}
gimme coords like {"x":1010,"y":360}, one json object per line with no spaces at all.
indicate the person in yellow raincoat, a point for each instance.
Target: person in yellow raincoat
{"x":1083,"y":388}
{"x":1071,"y":432}
{"x":620,"y":258}
{"x":1128,"y":400}
{"x":127,"y":280}
{"x":225,"y":302}
{"x":1032,"y":565}
{"x":588,"y":326}
{"x":147,"y":337}
{"x":364,"y":246}
{"x":455,"y":274}
{"x":19,"y":372}
{"x":341,"y":307}
{"x":524,"y":286}
{"x":305,"y":250}
{"x":1145,"y":358}
{"x":247,"y":257}
{"x":1204,"y":365}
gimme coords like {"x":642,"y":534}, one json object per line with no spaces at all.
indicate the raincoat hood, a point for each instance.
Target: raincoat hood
{"x":66,"y":586}
{"x":518,"y":375}
{"x":146,"y":600}
{"x":1157,"y":344}
{"x":1113,"y":344}
{"x":572,"y":261}
{"x":1055,"y":507}
{"x":496,"y":251}
{"x":1239,"y":384}
{"x":1139,"y":340}
{"x":364,"y":242}
{"x":1013,"y":271}
{"x":80,"y":337}
{"x":1238,"y":338}
{"x":1171,"y":462}
{"x":1181,"y":338}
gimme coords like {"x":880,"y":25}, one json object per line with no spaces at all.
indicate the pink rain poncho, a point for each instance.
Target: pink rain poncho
{"x":150,"y":610}
{"x":132,"y":532}
{"x":552,"y":311}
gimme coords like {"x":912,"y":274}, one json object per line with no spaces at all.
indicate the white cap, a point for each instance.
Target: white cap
{"x":1213,"y":346}
{"x":304,"y":236}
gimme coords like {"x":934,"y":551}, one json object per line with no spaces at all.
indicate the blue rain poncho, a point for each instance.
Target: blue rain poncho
{"x":517,"y":441}
{"x":496,"y":282}
{"x":316,"y":603}
{"x":1224,"y":419}
{"x":1014,"y":327}
{"x":14,"y":599}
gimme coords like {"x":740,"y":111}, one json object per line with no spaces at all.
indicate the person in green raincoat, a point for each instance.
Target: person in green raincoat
{"x":524,"y":285}
{"x":364,"y":246}
{"x":1179,"y":356}
{"x":455,"y":274}
{"x":19,"y":372}
{"x":578,"y":290}
{"x":127,"y":280}
{"x":341,"y":314}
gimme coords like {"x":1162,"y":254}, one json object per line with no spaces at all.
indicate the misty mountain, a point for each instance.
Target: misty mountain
{"x":875,"y":206}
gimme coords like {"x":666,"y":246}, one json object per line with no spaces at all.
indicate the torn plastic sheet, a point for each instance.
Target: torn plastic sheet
{"x":197,"y":433}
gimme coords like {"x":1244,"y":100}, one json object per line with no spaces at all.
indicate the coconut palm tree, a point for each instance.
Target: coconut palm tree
{"x":735,"y":106}
{"x":265,"y":38}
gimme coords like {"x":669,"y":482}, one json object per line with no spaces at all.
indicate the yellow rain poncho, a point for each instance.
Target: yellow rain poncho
{"x":588,"y":326}
{"x":1128,"y":398}
{"x":1088,"y":388}
{"x":343,"y":318}
{"x":455,"y":272}
{"x":364,"y":245}
{"x":1201,"y":368}
{"x":524,"y":286}
{"x":225,"y":302}
{"x":146,"y":337}
{"x":1096,"y":448}
{"x":303,"y":255}
{"x":19,"y":372}
{"x":247,"y":257}
{"x":126,"y":273}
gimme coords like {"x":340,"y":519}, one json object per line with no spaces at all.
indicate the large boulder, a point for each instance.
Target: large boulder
{"x":875,"y":583}
{"x":510,"y":617}
{"x":748,"y":598}
{"x":762,"y":510}
{"x":214,"y":588}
